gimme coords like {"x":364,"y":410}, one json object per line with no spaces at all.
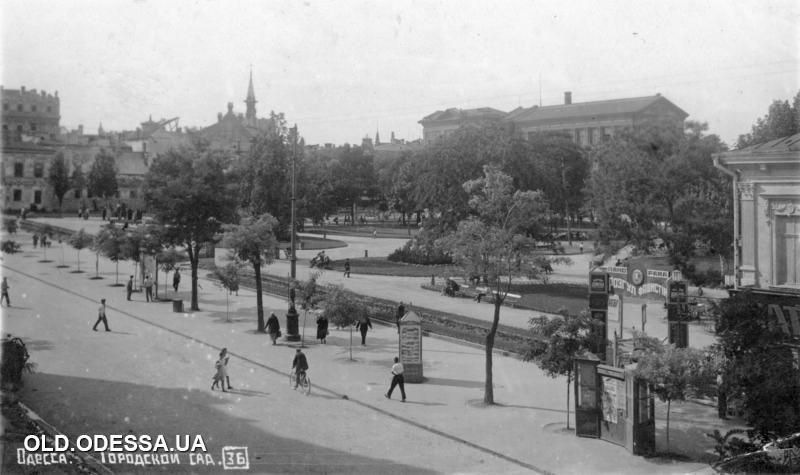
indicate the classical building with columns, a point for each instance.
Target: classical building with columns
{"x":766,"y":181}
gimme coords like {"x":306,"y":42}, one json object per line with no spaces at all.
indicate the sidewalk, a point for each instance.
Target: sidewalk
{"x":526,"y":425}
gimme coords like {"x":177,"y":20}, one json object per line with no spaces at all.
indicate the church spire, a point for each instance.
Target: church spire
{"x":251,"y":99}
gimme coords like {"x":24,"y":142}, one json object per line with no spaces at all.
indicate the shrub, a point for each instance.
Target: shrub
{"x":414,"y":253}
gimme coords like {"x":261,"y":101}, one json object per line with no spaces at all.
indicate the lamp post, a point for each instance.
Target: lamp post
{"x":293,"y":238}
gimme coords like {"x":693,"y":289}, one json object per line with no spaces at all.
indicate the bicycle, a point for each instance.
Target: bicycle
{"x":304,"y":384}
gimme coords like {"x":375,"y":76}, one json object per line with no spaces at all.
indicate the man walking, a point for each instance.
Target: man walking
{"x":101,"y":316}
{"x":148,"y":288}
{"x":129,"y":287}
{"x":176,"y":279}
{"x":397,"y":378}
{"x":363,"y":325}
{"x":347,"y":268}
{"x":5,"y":292}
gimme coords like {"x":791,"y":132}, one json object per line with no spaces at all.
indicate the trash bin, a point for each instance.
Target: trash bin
{"x":177,"y":306}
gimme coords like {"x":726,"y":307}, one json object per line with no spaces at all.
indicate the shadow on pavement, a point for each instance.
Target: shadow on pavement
{"x":459,"y":383}
{"x":80,"y":406}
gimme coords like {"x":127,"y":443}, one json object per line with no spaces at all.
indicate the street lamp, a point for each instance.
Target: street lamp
{"x":293,"y":238}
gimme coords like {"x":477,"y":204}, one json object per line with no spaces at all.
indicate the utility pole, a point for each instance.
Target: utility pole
{"x":294,"y":182}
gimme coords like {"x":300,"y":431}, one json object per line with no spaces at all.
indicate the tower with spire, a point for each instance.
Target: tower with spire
{"x":250,"y":113}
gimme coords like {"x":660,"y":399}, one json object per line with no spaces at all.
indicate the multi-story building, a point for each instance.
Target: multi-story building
{"x":442,"y":123}
{"x":588,"y":123}
{"x":29,"y":115}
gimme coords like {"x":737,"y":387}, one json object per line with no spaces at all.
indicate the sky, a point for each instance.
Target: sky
{"x":342,"y":70}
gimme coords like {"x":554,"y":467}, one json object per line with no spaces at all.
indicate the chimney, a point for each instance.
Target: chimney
{"x":567,"y":98}
{"x":219,"y":116}
{"x":22,"y":89}
{"x":80,"y":129}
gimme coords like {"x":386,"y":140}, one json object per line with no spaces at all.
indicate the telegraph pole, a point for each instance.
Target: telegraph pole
{"x":294,"y":232}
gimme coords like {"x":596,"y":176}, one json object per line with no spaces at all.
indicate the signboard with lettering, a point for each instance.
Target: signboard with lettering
{"x":410,"y":346}
{"x":614,"y":308}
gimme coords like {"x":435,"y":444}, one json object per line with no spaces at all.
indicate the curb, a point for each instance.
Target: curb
{"x":51,"y":431}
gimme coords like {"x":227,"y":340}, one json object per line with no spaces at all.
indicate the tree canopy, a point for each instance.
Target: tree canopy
{"x":59,"y":178}
{"x":103,"y":176}
{"x":782,"y":120}
{"x":188,"y":192}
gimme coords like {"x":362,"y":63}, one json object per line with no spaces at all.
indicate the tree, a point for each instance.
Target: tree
{"x":253,"y":240}
{"x":78,"y":179}
{"x":110,"y":242}
{"x":188,"y":192}
{"x":103,"y":176}
{"x":760,"y":370}
{"x":309,"y":297}
{"x":138,"y":241}
{"x":491,"y":242}
{"x":343,"y":309}
{"x":10,"y":247}
{"x":674,"y":374}
{"x":59,"y":178}
{"x":659,"y":182}
{"x":228,"y":276}
{"x":353,"y":177}
{"x":80,"y":241}
{"x":782,"y":120}
{"x":557,"y":341}
{"x":167,"y":261}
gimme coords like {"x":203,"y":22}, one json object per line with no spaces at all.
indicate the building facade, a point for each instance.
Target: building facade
{"x":767,"y":213}
{"x":587,"y":123}
{"x":30,"y":115}
{"x":440,"y":124}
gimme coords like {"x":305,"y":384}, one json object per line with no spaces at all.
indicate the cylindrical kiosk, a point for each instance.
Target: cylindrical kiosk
{"x":410,"y":343}
{"x":292,"y":325}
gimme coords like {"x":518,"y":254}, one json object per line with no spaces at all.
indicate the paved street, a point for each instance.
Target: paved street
{"x":151,"y":375}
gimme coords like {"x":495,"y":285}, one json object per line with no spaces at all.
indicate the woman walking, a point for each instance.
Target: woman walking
{"x":322,"y":328}
{"x":222,"y":371}
{"x":273,"y":327}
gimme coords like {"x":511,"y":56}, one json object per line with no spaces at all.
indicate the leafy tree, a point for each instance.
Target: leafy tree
{"x":142,"y":239}
{"x":353,"y":177}
{"x":396,"y":179}
{"x":343,"y":309}
{"x":265,"y":177}
{"x":659,"y":182}
{"x":491,"y":242}
{"x":110,"y":242}
{"x":80,"y":241}
{"x":228,"y":276}
{"x":167,"y":261}
{"x":253,"y":240}
{"x":103,"y":176}
{"x":78,"y":179}
{"x":760,"y":370}
{"x":10,"y":247}
{"x":556,"y":343}
{"x":310,"y":297}
{"x":675,"y":374}
{"x":782,"y":120}
{"x":59,"y":178}
{"x":188,"y":191}
{"x":10,"y":225}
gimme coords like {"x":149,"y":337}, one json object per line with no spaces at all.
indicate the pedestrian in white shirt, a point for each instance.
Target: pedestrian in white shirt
{"x":397,"y":371}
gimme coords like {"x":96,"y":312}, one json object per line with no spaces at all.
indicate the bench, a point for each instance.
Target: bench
{"x":511,"y":299}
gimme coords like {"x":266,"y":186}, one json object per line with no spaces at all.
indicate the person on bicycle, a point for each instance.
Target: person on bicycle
{"x":299,"y":365}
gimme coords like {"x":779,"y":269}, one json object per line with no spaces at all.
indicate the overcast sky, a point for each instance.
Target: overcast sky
{"x":345,"y":69}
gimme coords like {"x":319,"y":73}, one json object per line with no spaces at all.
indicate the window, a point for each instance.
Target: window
{"x":49,"y":109}
{"x":33,"y":127}
{"x":19,"y":108}
{"x":77,"y":193}
{"x":37,"y":197}
{"x":38,"y":170}
{"x":590,"y":132}
{"x":132,"y":194}
{"x":19,"y":169}
{"x":5,"y":106}
{"x":17,"y":195}
{"x":33,"y":108}
{"x":19,"y":128}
